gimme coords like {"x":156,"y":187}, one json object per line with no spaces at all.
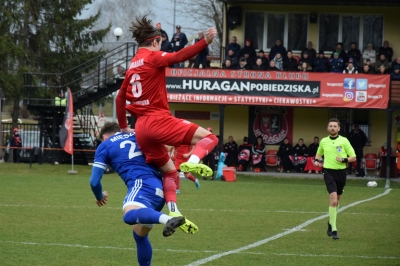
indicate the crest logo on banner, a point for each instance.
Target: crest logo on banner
{"x":273,"y":124}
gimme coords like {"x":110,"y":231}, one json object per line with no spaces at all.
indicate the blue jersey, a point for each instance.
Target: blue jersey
{"x":122,"y":153}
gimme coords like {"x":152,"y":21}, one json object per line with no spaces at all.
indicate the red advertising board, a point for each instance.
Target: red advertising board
{"x":276,"y":88}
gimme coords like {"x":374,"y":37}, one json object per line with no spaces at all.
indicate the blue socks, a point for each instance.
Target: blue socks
{"x":142,"y":216}
{"x":143,"y":248}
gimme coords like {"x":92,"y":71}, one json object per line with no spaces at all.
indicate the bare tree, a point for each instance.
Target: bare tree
{"x":120,"y":13}
{"x":207,"y":13}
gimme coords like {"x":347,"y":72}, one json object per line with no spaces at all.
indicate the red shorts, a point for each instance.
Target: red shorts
{"x":154,"y":132}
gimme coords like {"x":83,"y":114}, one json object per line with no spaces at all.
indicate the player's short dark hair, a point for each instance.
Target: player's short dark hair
{"x":109,"y":128}
{"x":334,"y":120}
{"x":144,"y":32}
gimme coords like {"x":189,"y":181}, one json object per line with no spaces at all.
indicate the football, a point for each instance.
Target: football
{"x":372,"y":184}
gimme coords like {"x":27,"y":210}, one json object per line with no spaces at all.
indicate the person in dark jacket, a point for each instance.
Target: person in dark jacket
{"x":354,"y":53}
{"x":244,"y":154}
{"x":290,"y":63}
{"x":258,"y":65}
{"x":358,"y":140}
{"x":258,"y":155}
{"x":265,"y":61}
{"x":278,"y":48}
{"x":306,"y":59}
{"x":300,"y":153}
{"x":243,"y":64}
{"x":321,"y":63}
{"x":336,"y":63}
{"x":16,"y":143}
{"x":231,"y":149}
{"x":386,"y":50}
{"x":312,"y":54}
{"x":395,"y":75}
{"x":179,"y":41}
{"x":366,"y":70}
{"x":285,"y":150}
{"x":166,"y":46}
{"x":341,"y":52}
{"x":201,"y":58}
{"x":228,"y":64}
{"x":272,"y":66}
{"x":234,"y":46}
{"x":158,"y":26}
{"x":248,"y":49}
{"x":234,"y":60}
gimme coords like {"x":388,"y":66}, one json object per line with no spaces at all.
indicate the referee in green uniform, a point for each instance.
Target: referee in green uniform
{"x":337,"y":152}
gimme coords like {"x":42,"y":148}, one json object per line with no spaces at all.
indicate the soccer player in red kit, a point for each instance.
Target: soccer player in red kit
{"x":181,"y":154}
{"x":144,"y":87}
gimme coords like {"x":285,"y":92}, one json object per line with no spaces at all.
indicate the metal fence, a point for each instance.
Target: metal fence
{"x":30,"y":136}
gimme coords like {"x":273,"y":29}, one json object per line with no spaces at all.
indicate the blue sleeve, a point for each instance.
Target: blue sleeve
{"x":95,"y":182}
{"x":99,"y":166}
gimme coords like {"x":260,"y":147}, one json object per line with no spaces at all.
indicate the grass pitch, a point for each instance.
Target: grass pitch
{"x":50,"y":218}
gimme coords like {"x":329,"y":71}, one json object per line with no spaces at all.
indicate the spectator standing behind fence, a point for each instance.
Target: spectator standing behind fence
{"x":244,"y":154}
{"x":251,"y":61}
{"x":386,"y":50}
{"x":358,"y":140}
{"x":16,"y":144}
{"x":228,"y":64}
{"x":321,"y":63}
{"x":231,"y":148}
{"x":277,"y":48}
{"x":158,"y":26}
{"x":285,"y":150}
{"x":201,"y":58}
{"x":179,"y":41}
{"x":166,"y":46}
{"x":290,"y":63}
{"x":234,"y":46}
{"x":370,"y":54}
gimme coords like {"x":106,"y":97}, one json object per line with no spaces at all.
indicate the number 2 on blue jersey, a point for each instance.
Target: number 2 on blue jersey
{"x":132,"y":152}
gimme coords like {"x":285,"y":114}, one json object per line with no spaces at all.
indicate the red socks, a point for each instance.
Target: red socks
{"x":205,"y":146}
{"x":190,"y":177}
{"x":170,"y":184}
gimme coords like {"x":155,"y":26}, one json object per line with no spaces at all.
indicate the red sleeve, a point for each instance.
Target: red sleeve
{"x":163,"y":59}
{"x":120,"y":102}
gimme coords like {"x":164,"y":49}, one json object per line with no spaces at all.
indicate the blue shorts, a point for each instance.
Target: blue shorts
{"x":147,"y":193}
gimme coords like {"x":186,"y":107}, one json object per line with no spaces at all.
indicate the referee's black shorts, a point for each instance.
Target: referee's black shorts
{"x":335,"y":180}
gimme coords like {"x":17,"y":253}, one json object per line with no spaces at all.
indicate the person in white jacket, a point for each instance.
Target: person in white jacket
{"x":370,"y":54}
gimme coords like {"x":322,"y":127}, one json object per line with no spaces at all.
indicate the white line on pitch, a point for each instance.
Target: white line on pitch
{"x":197,"y":251}
{"x":207,"y":210}
{"x":294,"y":229}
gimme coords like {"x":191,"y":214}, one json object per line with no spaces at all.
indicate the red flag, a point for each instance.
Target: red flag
{"x":67,"y":132}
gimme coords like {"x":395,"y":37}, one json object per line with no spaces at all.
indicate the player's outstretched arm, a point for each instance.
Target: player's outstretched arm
{"x":190,"y":51}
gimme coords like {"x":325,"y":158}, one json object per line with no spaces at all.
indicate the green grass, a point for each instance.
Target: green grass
{"x":50,"y":218}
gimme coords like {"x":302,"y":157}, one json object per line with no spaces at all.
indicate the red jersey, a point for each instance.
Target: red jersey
{"x":145,"y":85}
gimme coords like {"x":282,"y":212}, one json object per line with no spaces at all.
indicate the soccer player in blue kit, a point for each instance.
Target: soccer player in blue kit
{"x":144,"y":199}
